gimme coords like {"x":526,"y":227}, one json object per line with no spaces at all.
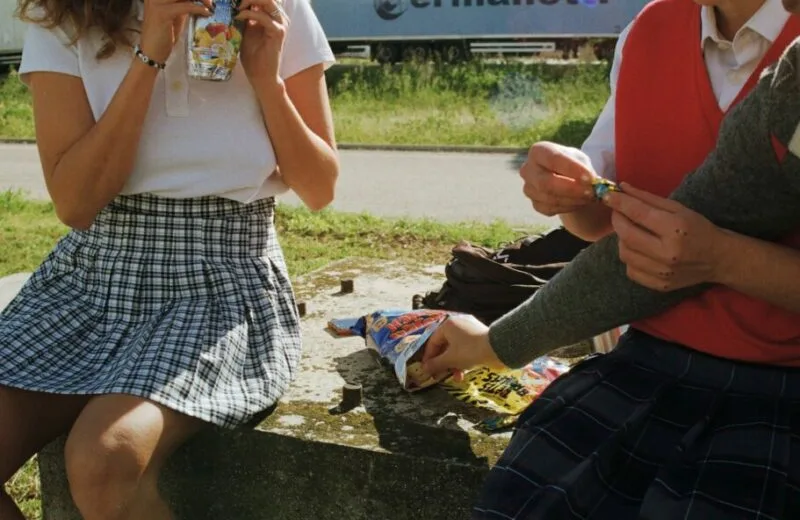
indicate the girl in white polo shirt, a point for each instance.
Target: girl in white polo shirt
{"x":168,"y":305}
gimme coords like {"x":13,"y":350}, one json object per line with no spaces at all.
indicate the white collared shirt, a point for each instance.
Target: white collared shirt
{"x":729,"y":65}
{"x":200,"y":137}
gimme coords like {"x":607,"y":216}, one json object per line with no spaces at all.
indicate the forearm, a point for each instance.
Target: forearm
{"x":591,"y":223}
{"x":308,"y":164}
{"x":93,"y":171}
{"x":763,"y":270}
{"x":743,"y":186}
{"x":738,"y":188}
{"x":591,"y":295}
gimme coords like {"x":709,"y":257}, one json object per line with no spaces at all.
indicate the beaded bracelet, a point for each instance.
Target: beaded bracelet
{"x":147,"y":60}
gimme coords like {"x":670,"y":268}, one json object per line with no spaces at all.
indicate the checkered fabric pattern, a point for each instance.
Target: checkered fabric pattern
{"x":183,"y":302}
{"x":654,"y":431}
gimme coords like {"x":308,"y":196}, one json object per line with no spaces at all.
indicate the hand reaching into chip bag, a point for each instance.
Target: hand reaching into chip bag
{"x":460,"y":343}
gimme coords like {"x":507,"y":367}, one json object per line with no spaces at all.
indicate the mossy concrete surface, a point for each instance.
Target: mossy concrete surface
{"x":393,"y":456}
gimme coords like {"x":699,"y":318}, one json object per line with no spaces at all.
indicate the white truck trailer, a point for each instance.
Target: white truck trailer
{"x":397,"y":30}
{"x":12,"y":32}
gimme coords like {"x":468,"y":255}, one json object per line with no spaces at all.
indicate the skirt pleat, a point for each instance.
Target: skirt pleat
{"x":183,"y":302}
{"x":658,"y":432}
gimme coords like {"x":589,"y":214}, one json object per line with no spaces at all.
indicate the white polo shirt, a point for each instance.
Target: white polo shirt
{"x":729,"y":65}
{"x":200,"y":137}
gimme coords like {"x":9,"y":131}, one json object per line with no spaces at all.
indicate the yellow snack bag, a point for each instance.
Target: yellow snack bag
{"x":505,"y":392}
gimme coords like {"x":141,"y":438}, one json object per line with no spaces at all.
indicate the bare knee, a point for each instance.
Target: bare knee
{"x":104,"y":472}
{"x":115,"y":452}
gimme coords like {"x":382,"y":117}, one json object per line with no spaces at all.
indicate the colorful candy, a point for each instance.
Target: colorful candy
{"x":603,"y":186}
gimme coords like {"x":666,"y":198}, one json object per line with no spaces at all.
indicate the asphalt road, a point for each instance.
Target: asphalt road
{"x":445,"y":186}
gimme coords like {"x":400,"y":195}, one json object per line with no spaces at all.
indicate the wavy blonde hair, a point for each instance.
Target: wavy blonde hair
{"x":111,"y":17}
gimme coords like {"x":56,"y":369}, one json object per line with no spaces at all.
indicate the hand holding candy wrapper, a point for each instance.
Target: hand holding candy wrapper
{"x":399,"y":338}
{"x":603,"y":186}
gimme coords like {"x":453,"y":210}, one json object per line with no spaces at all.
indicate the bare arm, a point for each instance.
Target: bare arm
{"x":300,"y":125}
{"x":590,"y":223}
{"x":593,"y":222}
{"x":87,"y":163}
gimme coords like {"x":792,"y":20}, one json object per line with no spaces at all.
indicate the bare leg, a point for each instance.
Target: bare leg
{"x":115,"y":453}
{"x":29,"y":421}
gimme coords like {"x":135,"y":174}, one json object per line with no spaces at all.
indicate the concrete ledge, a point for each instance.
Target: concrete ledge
{"x":259,"y":475}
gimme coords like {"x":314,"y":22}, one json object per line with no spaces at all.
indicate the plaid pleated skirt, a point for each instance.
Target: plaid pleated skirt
{"x":654,"y":431}
{"x":186,"y":303}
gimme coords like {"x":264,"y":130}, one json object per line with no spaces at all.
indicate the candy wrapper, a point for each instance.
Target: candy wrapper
{"x":603,"y":186}
{"x":398,"y":337}
{"x":506,"y":392}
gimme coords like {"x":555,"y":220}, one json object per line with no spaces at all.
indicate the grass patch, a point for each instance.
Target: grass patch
{"x":24,"y":488}
{"x":16,"y":112}
{"x":29,"y":229}
{"x":477,"y":103}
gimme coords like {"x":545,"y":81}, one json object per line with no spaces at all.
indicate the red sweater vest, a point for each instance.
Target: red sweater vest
{"x":667,"y":119}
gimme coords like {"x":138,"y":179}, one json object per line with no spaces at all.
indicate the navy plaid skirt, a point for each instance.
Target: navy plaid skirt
{"x":658,"y":432}
{"x":183,"y":302}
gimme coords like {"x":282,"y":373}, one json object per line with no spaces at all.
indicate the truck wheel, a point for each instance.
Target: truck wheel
{"x":416,"y":53}
{"x":604,"y":51}
{"x":455,"y":53}
{"x":385,"y":53}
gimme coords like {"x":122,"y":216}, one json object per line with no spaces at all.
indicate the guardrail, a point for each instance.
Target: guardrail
{"x":10,"y":57}
{"x":515,"y":47}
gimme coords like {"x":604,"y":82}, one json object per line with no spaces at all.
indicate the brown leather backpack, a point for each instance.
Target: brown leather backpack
{"x":488,"y":283}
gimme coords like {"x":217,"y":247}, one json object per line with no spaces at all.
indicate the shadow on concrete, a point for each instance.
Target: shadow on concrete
{"x":420,"y":426}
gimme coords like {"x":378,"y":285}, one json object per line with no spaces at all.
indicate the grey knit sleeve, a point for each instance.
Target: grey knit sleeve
{"x":742,"y":186}
{"x":591,"y":295}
